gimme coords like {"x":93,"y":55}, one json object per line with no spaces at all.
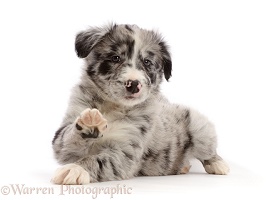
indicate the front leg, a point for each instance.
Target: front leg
{"x":72,"y":141}
{"x":115,"y":160}
{"x":111,"y":164}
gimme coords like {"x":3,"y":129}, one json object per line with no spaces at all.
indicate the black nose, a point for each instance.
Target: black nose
{"x":133,"y":86}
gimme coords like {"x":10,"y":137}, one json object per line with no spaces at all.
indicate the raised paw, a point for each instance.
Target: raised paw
{"x":71,"y":174}
{"x":92,"y":118}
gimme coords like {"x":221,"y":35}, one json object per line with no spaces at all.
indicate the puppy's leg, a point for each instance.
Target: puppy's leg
{"x":71,"y":143}
{"x":73,"y":140}
{"x":114,"y":160}
{"x":185,"y":168}
{"x":204,"y":144}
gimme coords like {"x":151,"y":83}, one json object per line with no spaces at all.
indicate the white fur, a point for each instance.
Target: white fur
{"x":134,"y":74}
{"x":71,"y":174}
{"x":219,"y":167}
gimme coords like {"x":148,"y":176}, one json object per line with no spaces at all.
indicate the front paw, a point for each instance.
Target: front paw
{"x":91,"y":123}
{"x":71,"y":174}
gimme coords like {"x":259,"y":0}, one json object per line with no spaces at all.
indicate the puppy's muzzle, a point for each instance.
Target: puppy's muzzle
{"x":133,"y":86}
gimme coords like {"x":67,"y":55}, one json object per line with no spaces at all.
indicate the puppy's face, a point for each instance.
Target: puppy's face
{"x":125,"y":62}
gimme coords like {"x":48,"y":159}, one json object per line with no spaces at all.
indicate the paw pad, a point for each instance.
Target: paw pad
{"x":93,"y":118}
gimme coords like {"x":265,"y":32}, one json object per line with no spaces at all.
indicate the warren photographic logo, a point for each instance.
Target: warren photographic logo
{"x":94,"y":192}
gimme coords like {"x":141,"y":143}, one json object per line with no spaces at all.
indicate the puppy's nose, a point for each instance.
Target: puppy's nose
{"x":133,"y":86}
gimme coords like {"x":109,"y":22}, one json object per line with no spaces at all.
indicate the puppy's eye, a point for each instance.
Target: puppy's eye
{"x":116,"y":59}
{"x":147,"y":62}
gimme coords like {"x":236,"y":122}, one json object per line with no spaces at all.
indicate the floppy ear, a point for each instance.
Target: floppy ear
{"x":86,"y":40}
{"x":166,"y":62}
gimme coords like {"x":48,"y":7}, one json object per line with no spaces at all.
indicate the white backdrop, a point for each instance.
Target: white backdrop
{"x":219,"y":60}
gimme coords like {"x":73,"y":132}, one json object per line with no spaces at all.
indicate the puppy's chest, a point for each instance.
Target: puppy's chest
{"x":124,"y":124}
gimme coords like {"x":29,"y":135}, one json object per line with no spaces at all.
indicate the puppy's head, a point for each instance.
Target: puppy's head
{"x":126,"y":62}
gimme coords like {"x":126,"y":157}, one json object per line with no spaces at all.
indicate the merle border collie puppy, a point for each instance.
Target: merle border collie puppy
{"x":118,"y":125}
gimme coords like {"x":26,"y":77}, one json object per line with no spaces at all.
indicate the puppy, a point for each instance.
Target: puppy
{"x":118,"y":125}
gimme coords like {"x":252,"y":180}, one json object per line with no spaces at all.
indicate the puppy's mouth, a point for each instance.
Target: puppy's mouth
{"x":133,"y":96}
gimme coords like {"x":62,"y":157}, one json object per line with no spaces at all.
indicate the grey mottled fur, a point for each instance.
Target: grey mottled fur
{"x":146,"y":135}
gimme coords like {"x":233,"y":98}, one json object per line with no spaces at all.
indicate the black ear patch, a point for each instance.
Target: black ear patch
{"x":85,"y":41}
{"x":166,"y":62}
{"x":82,"y":49}
{"x":167,"y":66}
